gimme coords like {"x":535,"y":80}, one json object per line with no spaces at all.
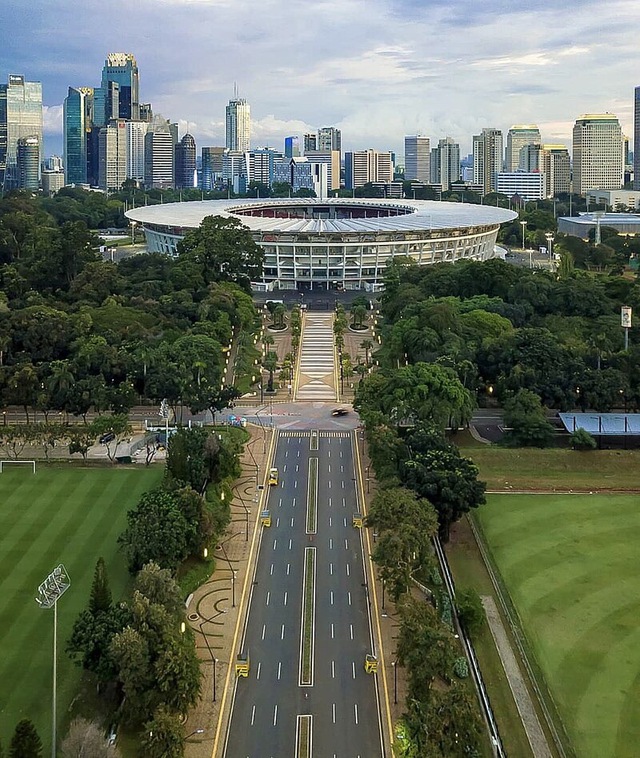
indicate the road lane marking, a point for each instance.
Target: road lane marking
{"x":351,"y":630}
{"x":293,"y":504}
{"x":279,"y":669}
{"x":280,"y":503}
{"x":278,"y":521}
{"x":353,"y":669}
{"x":343,"y":484}
{"x":268,"y":596}
{"x":282,"y":632}
{"x":329,"y":501}
{"x":271,"y":572}
{"x":346,"y":543}
{"x":288,"y":568}
{"x":284,"y":468}
{"x":345,"y":520}
{"x":290,"y":542}
{"x":342,"y":469}
{"x":331,"y":569}
{"x":330,"y":521}
{"x":292,"y":522}
{"x":295,"y":484}
{"x":297,"y":468}
{"x":330,"y":543}
{"x":258,"y":669}
{"x":329,"y":483}
{"x":275,"y":715}
{"x":329,"y":468}
{"x":264,"y":630}
{"x":348,"y":574}
{"x":333,"y":713}
{"x":253,"y":715}
{"x":308,"y":620}
{"x":344,"y":502}
{"x":275,"y":542}
{"x":349,"y":597}
{"x":355,"y":711}
{"x":333,"y":669}
{"x":331,"y":596}
{"x":333,"y":632}
{"x":285,"y":597}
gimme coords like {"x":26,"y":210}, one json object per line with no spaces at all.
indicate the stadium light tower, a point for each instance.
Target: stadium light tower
{"x":49,"y":592}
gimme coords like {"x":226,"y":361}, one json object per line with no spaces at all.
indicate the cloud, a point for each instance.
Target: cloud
{"x":377,"y":69}
{"x":52,"y":119}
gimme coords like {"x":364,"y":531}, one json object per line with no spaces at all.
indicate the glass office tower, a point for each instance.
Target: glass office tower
{"x":20,"y":116}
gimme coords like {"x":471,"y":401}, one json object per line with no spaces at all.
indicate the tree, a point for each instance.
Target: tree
{"x":222,"y":249}
{"x":162,"y":736}
{"x":81,"y":438}
{"x":435,"y":470}
{"x":526,"y":421}
{"x":367,"y":346}
{"x":158,"y":531}
{"x":470,"y":611}
{"x":270,"y":363}
{"x":159,"y":587}
{"x":90,"y":642}
{"x":86,"y":738}
{"x":25,"y":742}
{"x":100,"y":598}
{"x":118,"y":424}
{"x":582,"y":440}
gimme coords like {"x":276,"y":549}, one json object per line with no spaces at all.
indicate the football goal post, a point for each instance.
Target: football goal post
{"x":17,"y":463}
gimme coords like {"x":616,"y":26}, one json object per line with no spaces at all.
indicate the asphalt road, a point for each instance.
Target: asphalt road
{"x":341,"y":698}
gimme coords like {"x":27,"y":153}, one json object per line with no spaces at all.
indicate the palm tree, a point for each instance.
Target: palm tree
{"x":270,"y":362}
{"x":366,"y":345}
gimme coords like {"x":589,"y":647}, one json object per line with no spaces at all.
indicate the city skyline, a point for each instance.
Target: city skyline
{"x":375,"y":70}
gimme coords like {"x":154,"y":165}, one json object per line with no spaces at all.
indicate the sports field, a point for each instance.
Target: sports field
{"x":59,"y":515}
{"x":571,"y":564}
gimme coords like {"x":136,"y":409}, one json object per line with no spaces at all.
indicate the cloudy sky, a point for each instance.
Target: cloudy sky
{"x":377,"y":69}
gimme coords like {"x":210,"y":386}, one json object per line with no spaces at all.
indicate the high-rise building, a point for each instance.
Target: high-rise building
{"x":118,"y":94}
{"x":636,"y":139}
{"x":29,"y":162}
{"x":20,"y":116}
{"x":527,"y":185}
{"x":112,"y":155}
{"x":302,"y":173}
{"x":212,"y":166}
{"x":186,"y":162}
{"x":417,"y":159}
{"x":597,"y":153}
{"x":260,"y":165}
{"x":238,"y":126}
{"x":366,"y":166}
{"x":77,"y":122}
{"x":234,"y":171}
{"x":329,"y":138}
{"x":487,"y":158}
{"x":159,"y":154}
{"x":445,"y":163}
{"x":332,"y":160}
{"x":554,"y":162}
{"x":310,"y":142}
{"x":52,"y":181}
{"x":519,"y":136}
{"x":292,"y":147}
{"x":136,"y":131}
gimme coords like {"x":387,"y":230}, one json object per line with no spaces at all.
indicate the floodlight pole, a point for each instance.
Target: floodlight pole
{"x":49,"y":592}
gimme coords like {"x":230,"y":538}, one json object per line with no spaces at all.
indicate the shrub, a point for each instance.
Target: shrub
{"x":461,"y":667}
{"x":582,"y":440}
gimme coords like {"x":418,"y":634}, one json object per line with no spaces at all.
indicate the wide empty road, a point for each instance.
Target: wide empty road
{"x":308,"y":629}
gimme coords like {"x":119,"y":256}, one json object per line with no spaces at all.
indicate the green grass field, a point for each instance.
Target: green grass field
{"x":570,"y":564}
{"x":59,"y":515}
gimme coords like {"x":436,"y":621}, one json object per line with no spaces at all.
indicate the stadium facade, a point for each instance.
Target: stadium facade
{"x":336,"y":243}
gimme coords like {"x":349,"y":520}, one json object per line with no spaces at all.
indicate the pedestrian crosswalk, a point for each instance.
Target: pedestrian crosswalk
{"x":294,"y":433}
{"x":316,"y":366}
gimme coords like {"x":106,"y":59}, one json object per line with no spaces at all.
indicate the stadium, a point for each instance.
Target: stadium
{"x":337,"y":243}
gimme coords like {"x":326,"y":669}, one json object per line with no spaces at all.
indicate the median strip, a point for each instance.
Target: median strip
{"x":307,"y":634}
{"x":304,"y":727}
{"x":312,"y":497}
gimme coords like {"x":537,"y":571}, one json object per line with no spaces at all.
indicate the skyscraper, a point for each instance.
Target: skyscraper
{"x":329,"y":138}
{"x":445,"y":163}
{"x":136,"y":131}
{"x":518,"y":137}
{"x":112,"y":155}
{"x":118,"y":95}
{"x":185,"y":162}
{"x":417,"y":159}
{"x":597,"y":153}
{"x":238,"y":126}
{"x":332,"y":159}
{"x":77,"y":121}
{"x":159,"y":154}
{"x":636,"y":138}
{"x":556,"y":165}
{"x":212,"y":166}
{"x":20,"y":116}
{"x":310,"y":142}
{"x":292,"y":147}
{"x":29,"y":163}
{"x":487,"y":158}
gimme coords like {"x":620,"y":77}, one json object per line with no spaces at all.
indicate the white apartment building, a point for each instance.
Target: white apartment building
{"x":445,"y":163}
{"x":112,"y":155}
{"x":487,"y":158}
{"x":136,"y":131}
{"x":598,"y":161}
{"x":527,"y":185}
{"x":365,"y":166}
{"x":332,"y":160}
{"x":238,"y":126}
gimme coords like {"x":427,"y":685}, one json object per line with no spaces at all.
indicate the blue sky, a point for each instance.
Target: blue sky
{"x":377,"y":69}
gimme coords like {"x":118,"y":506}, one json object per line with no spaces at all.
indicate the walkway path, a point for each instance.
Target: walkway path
{"x":535,"y":734}
{"x":317,"y":363}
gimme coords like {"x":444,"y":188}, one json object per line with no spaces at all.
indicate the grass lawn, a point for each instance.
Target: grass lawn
{"x":59,"y":515}
{"x":555,"y":468}
{"x":570,"y":564}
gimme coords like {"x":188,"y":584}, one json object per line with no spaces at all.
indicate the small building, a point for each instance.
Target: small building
{"x":580,"y":226}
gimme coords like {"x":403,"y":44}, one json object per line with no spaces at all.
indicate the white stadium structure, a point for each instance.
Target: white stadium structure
{"x":336,"y":243}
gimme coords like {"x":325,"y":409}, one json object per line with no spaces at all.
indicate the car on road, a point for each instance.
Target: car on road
{"x":107,"y":437}
{"x":339,"y":411}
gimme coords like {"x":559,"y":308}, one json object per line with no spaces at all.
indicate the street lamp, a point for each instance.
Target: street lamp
{"x":523,"y":224}
{"x":195,"y":731}
{"x":49,"y":592}
{"x":549,"y":238}
{"x":214,"y":660}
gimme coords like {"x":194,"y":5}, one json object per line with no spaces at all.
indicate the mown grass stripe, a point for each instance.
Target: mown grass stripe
{"x":308,"y":617}
{"x":304,"y":731}
{"x":312,"y":497}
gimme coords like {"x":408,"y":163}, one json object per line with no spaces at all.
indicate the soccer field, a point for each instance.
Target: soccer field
{"x":571,"y":565}
{"x":59,"y":515}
